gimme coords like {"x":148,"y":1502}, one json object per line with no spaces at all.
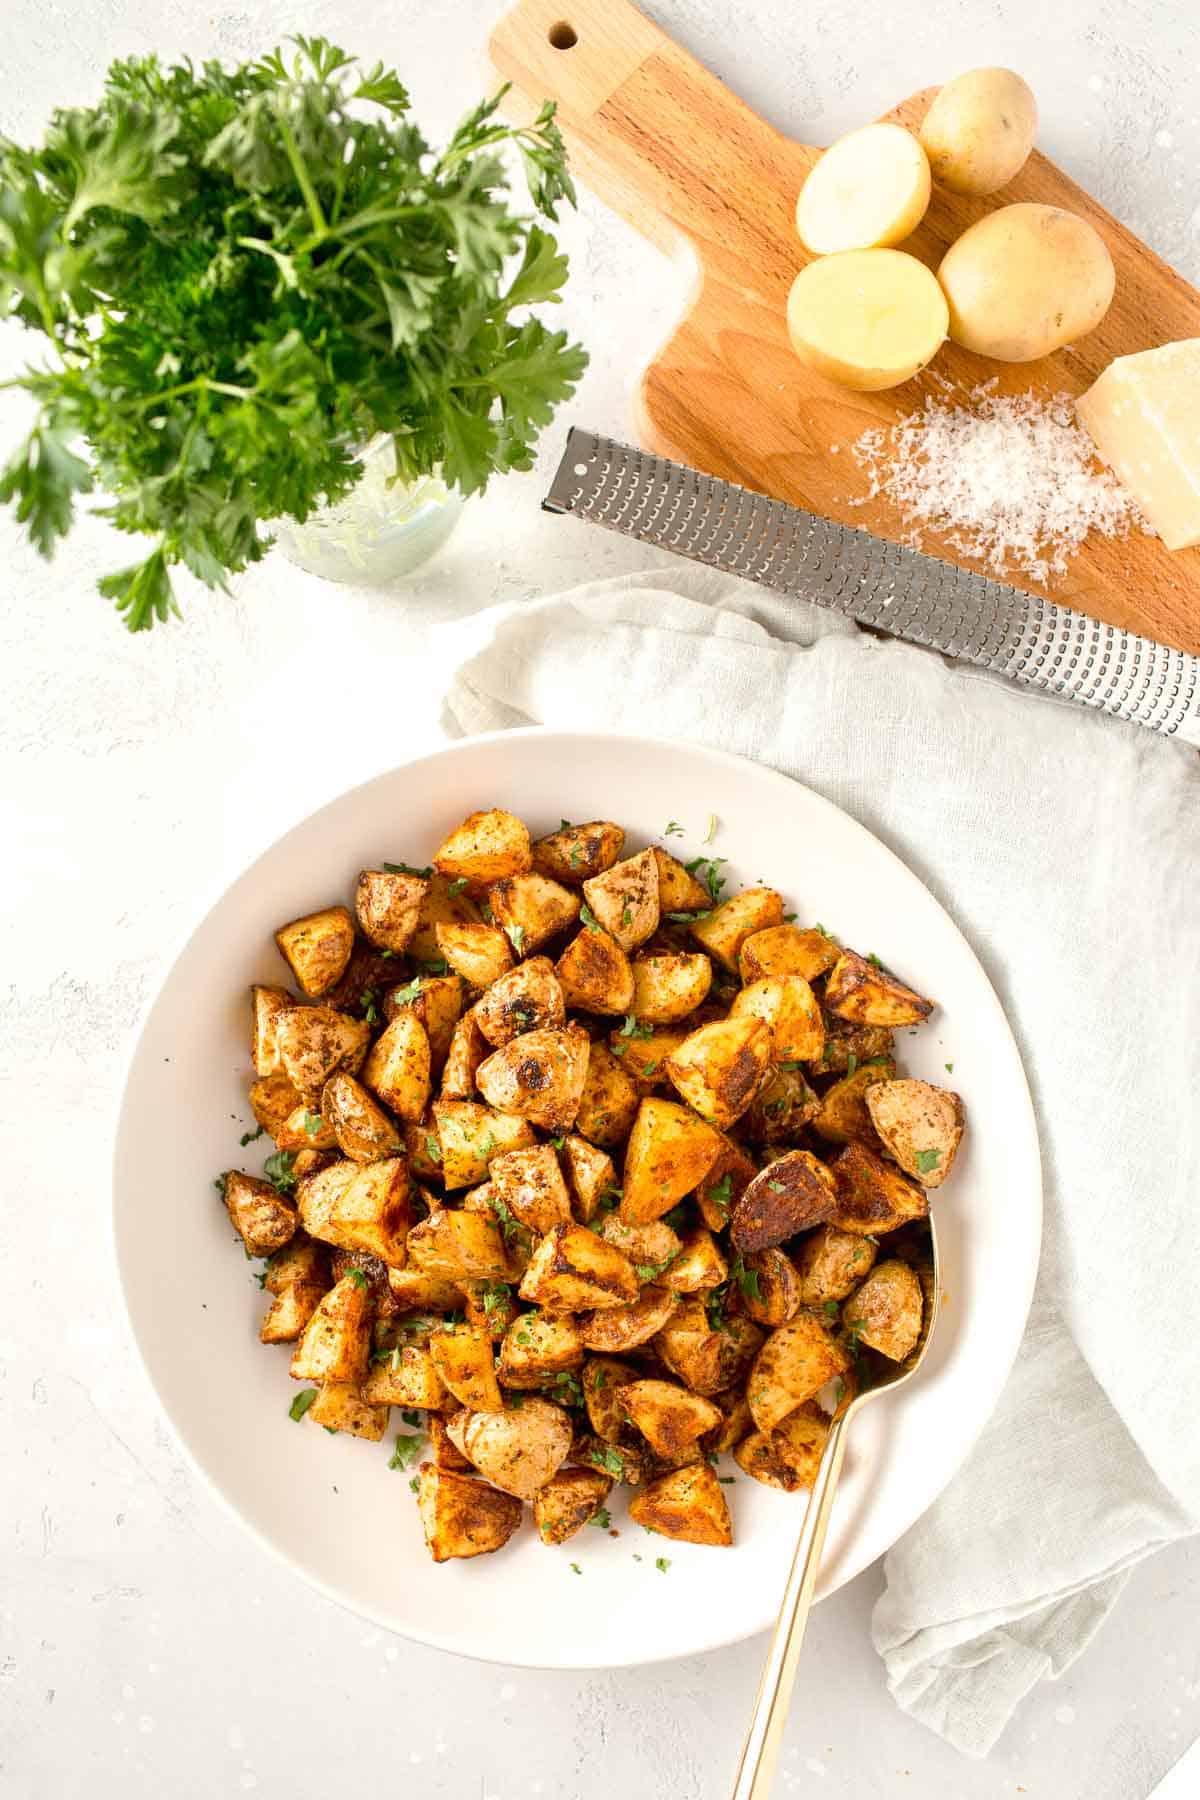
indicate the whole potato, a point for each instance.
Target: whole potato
{"x":1024,"y":281}
{"x":979,"y":131}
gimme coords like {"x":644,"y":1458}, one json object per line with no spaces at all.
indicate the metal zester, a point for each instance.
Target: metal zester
{"x":881,"y":585}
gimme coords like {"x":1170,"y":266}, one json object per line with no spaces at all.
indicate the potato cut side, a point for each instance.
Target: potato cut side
{"x":388,"y":905}
{"x":671,"y":1419}
{"x":590,"y":1175}
{"x":518,"y":1450}
{"x":688,"y":1504}
{"x":650,"y":1248}
{"x":603,"y":1378}
{"x":608,"y":1103}
{"x":405,"y":1376}
{"x":678,"y":889}
{"x":267,"y":1003}
{"x":624,"y":900}
{"x":262,"y":1218}
{"x":374,"y":1210}
{"x":528,"y":998}
{"x":289,"y":1312}
{"x":340,"y":1407}
{"x":468,"y":1135}
{"x":538,"y":1346}
{"x":699,"y":1265}
{"x":670,"y":1151}
{"x":314,"y":1041}
{"x":794,"y":1364}
{"x":843,"y":1116}
{"x":462,"y":1356}
{"x":643,"y":1050}
{"x":870,"y":189}
{"x":445,"y":903}
{"x":867,"y":319}
{"x":364,"y":1132}
{"x":416,"y":1290}
{"x":530,"y":1184}
{"x":479,"y":953}
{"x":707,"y":1357}
{"x":567,"y":1502}
{"x":486,"y":847}
{"x":399,"y":1067}
{"x":668,"y":988}
{"x":627,"y":1463}
{"x":531,"y":909}
{"x":595,"y":974}
{"x":719,"y":1067}
{"x":299,"y":1262}
{"x":758,"y":1454}
{"x":772,"y":1297}
{"x":782,"y":1107}
{"x":616,"y":1329}
{"x":461,"y":1516}
{"x":724,"y":1184}
{"x":723,"y":931}
{"x":573,"y":1270}
{"x":337,"y":1339}
{"x":317,"y":948}
{"x":273,"y":1098}
{"x":872,"y":1196}
{"x":577,"y":852}
{"x":863,"y":992}
{"x":538,"y":1076}
{"x":787,"y":950}
{"x":887,"y":1310}
{"x":306,"y":1130}
{"x":831,"y":1263}
{"x":437,"y":1000}
{"x":468,"y":1047}
{"x":793,"y":1193}
{"x":788,"y":1006}
{"x":459,"y":1246}
{"x":920,"y":1124}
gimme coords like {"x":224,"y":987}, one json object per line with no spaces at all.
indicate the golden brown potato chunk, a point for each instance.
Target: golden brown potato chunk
{"x":539,"y":1076}
{"x":468,"y":1047}
{"x":317,"y":948}
{"x":887,"y":1310}
{"x":486,"y":847}
{"x":300,"y":1261}
{"x":388,"y":905}
{"x":649,"y":1247}
{"x":314,"y":1041}
{"x":849,"y":1046}
{"x":446,"y":1453}
{"x":788,"y":1007}
{"x":771,"y":1287}
{"x":699,"y":1265}
{"x":719,"y":1068}
{"x":491,"y":1305}
{"x":595,"y":974}
{"x":627,"y":1463}
{"x":786,"y":950}
{"x":668,"y":988}
{"x":858,"y":990}
{"x":531,"y":909}
{"x":872,"y":1197}
{"x":642,"y":1050}
{"x":364,"y":1132}
{"x":458,"y":1246}
{"x":624,"y":900}
{"x":273,"y":1099}
{"x":268,"y":1003}
{"x":831,"y":1263}
{"x":723,"y":932}
{"x":417,"y":1291}
{"x":707,"y":1356}
{"x":590,"y":1174}
{"x":620,"y":1328}
{"x":437,"y":1000}
{"x":261,"y":1217}
{"x":842,"y":1117}
{"x":678,"y":889}
{"x":724,"y":1185}
{"x":423,"y":1149}
{"x":536,"y":1347}
{"x":479,"y":953}
{"x":317,"y":1195}
{"x":566,"y":1503}
{"x":462,"y":1356}
{"x":669,"y":1152}
{"x":399,"y":1066}
{"x":469,"y":1135}
{"x":530,"y":1184}
{"x":759,"y":1455}
{"x":337,"y":1339}
{"x":921,"y":1125}
{"x":305,"y":1130}
{"x":461,"y":1516}
{"x":608,"y":1103}
{"x":445,"y":903}
{"x":799,"y":1440}
{"x":289,"y":1312}
{"x":529,"y":998}
{"x":791,"y":1194}
{"x":517,"y":1450}
{"x":671,"y":1420}
{"x":735,"y":1422}
{"x":603,"y":1378}
{"x":573,"y":1270}
{"x":782,"y":1107}
{"x":374,"y":1210}
{"x":794,"y":1364}
{"x":577,"y":852}
{"x":340,"y":1407}
{"x":688,"y":1504}
{"x":404,"y":1376}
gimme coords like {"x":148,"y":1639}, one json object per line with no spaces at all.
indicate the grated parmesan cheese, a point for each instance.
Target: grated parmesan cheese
{"x":1011,"y":480}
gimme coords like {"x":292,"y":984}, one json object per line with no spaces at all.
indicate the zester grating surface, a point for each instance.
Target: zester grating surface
{"x":879,"y":584}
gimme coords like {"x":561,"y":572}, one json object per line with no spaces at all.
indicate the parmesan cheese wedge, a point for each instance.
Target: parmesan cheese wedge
{"x":1143,"y":415}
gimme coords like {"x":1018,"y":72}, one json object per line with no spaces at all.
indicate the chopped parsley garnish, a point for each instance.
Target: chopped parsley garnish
{"x":433,"y":1149}
{"x":301,"y":1403}
{"x":789,"y":918}
{"x":711,"y":833}
{"x":496,"y":1296}
{"x":357,"y":1277}
{"x":822,"y":930}
{"x":566,"y":1390}
{"x":575,"y":856}
{"x":412,"y":1418}
{"x":627,"y":914}
{"x":565,"y":825}
{"x":404,"y":996}
{"x":415,"y":1484}
{"x":851,"y":1062}
{"x":831,"y":1309}
{"x":370,"y":1010}
{"x":487,"y":1144}
{"x":433,"y":965}
{"x":508,"y":1225}
{"x":721,"y":1194}
{"x":601,"y":1518}
{"x":558,"y":1142}
{"x":874,"y":960}
{"x":575,"y":1569}
{"x":677,"y":1218}
{"x":311,"y":1123}
{"x":777,"y":1187}
{"x":949,"y":1068}
{"x":611,"y":1461}
{"x":651,"y":1271}
{"x":633,"y":1028}
{"x":726,"y":1480}
{"x":219,"y":1184}
{"x":248,"y":1137}
{"x":747,"y":1279}
{"x":587,"y":917}
{"x":516,"y":937}
{"x":457,"y":886}
{"x":674,"y":828}
{"x":407,"y":1450}
{"x":686,"y":918}
{"x":714,"y":1308}
{"x":707,"y":869}
{"x":278,"y":1170}
{"x":662,"y":1564}
{"x":927,"y":1160}
{"x":406,"y":869}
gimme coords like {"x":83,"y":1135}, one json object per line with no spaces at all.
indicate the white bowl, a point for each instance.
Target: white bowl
{"x":333,"y":1510}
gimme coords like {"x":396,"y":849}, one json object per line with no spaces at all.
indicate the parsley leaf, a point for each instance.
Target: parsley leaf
{"x":248,"y":1137}
{"x":721,"y":1194}
{"x":587,"y":917}
{"x":927,"y":1160}
{"x":407,"y":1450}
{"x":516,"y":937}
{"x":633,"y":1028}
{"x":456,"y":887}
{"x":301,"y":1403}
{"x":601,"y":1518}
{"x":278,"y":1171}
{"x":662,"y":1564}
{"x":312,"y":1123}
{"x":407,"y":869}
{"x":674,"y":828}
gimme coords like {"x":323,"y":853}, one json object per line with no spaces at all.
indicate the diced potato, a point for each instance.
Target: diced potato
{"x":772,"y":1296}
{"x":920,"y":1124}
{"x":486,"y":847}
{"x":468,"y":1047}
{"x":590,"y":1174}
{"x":872,"y":1197}
{"x":759,"y":1456}
{"x":367,"y":975}
{"x":268,"y":1003}
{"x":595,"y":974}
{"x":469,"y":1135}
{"x":491,"y":1305}
{"x":669,"y":1418}
{"x":537,"y":1347}
{"x":616,"y":1329}
{"x":842,"y":1117}
{"x":340,"y":1407}
{"x":624,"y":900}
{"x":314,"y":1041}
{"x":793,"y":1193}
{"x":699,"y":1265}
{"x":577,"y":852}
{"x":407,"y":1376}
{"x":300,"y":1261}
{"x":800,"y":1441}
{"x":374,"y":1271}
{"x":305,"y":1129}
{"x":724,"y":1184}
{"x":308,"y":1161}
{"x":706,"y":1358}
{"x":629,"y":1464}
{"x":723,"y":932}
{"x":566,"y":1503}
{"x":317,"y":1195}
{"x":479,"y":953}
{"x":849,"y":1046}
{"x":608,"y":1103}
{"x":781,"y":1109}
{"x":831,"y":1263}
{"x":317,"y":948}
{"x":793,"y":1365}
{"x":273,"y":1099}
{"x":399,"y":1067}
{"x":337,"y":1339}
{"x":446,"y":1453}
{"x":670,"y":1151}
{"x":678,"y":889}
{"x":518,"y":1450}
{"x":529,"y":998}
{"x":735,"y":1422}
{"x":531,"y":909}
{"x":643,"y":1050}
{"x":786,"y":950}
{"x":459,"y":1246}
{"x":364,"y":1132}
{"x":668,"y":988}
{"x":886,"y":1312}
{"x":423,"y":1149}
{"x":539,"y":1076}
{"x":462,"y":1356}
{"x":530,"y":1184}
{"x":649,"y":1247}
{"x":417,"y":1290}
{"x":290,"y":1311}
{"x":719,"y":1068}
{"x":688,"y":1504}
{"x":855,"y":989}
{"x":437,"y":1000}
{"x":788,"y":1007}
{"x":388,"y":905}
{"x":463,"y":1517}
{"x":603,"y":1378}
{"x":573,"y":1270}
{"x":373,"y":1211}
{"x":262,"y":1218}
{"x":445,"y":903}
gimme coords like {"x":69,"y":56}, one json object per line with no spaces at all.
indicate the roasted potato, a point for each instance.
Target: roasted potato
{"x":921,"y":1126}
{"x":627,"y":1463}
{"x":469,"y":1135}
{"x":800,"y":1439}
{"x":459,"y":1246}
{"x":678,"y":889}
{"x":608,"y":1102}
{"x":760,"y":1455}
{"x":842,"y":1117}
{"x":374,"y":1210}
{"x":590,"y":1174}
{"x":267,"y":1003}
{"x":724,"y":1184}
{"x":886,"y":1311}
{"x":529,"y":998}
{"x":399,"y":1067}
{"x":404,"y":1376}
{"x":831,"y":1263}
{"x":781,"y":1109}
{"x":516,"y":1450}
{"x":305,"y":1130}
{"x":567,"y":1501}
{"x":367,"y":975}
{"x":857,"y":990}
{"x":698,"y":1265}
{"x":462,"y":1356}
{"x":479,"y":953}
{"x":531,"y":909}
{"x":616,"y":1329}
{"x":793,"y":1193}
{"x":446,"y":1453}
{"x":771,"y":1291}
{"x":317,"y":1195}
{"x":788,"y":1007}
{"x":573,"y":1270}
{"x":437,"y":1000}
{"x":417,"y":1290}
{"x":603,"y":1378}
{"x":719,"y":1067}
{"x":492,"y":1305}
{"x":872,"y":1197}
{"x":337,"y":1339}
{"x":300,"y":1262}
{"x":735,"y":1422}
{"x":668,"y":988}
{"x":340,"y":1407}
{"x":445,"y":903}
{"x":261,"y":1217}
{"x":670,"y":1151}
{"x":688,"y":1504}
{"x":539,"y":1076}
{"x":364,"y":1132}
{"x":577,"y":852}
{"x":707,"y":1356}
{"x":848,"y":1046}
{"x":530,"y":1184}
{"x":536,"y":1347}
{"x":794,"y":1364}
{"x":317,"y":948}
{"x":723,"y":931}
{"x":624,"y":900}
{"x":461,"y":1516}
{"x":289,"y":1312}
{"x":595,"y":974}
{"x":314,"y":1042}
{"x":671,"y":1420}
{"x":642,"y":1050}
{"x":423,"y":1148}
{"x":273,"y":1100}
{"x":388,"y":905}
{"x":786,"y":950}
{"x":486,"y":847}
{"x":650,"y":1247}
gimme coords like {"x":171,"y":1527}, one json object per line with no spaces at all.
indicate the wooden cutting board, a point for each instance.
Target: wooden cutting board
{"x":672,"y":149}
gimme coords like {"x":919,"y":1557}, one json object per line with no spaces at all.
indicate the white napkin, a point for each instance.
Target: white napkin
{"x":1067,"y":845}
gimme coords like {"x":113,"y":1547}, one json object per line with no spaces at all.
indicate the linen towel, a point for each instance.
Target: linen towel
{"x":1067,"y":846}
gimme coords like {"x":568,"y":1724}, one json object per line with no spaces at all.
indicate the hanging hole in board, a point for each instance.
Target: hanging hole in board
{"x":563,"y":36}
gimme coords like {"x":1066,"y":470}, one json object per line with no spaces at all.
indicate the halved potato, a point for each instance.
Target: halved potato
{"x":462,"y":1356}
{"x":337,"y":1339}
{"x":678,"y":889}
{"x":887,"y":1310}
{"x":671,"y":1419}
{"x":724,"y":1184}
{"x":445,"y":903}
{"x":340,"y":1407}
{"x":616,"y":1329}
{"x":461,"y":1516}
{"x":388,"y":904}
{"x":788,"y":1007}
{"x":517,"y":1450}
{"x":479,"y":953}
{"x":531,"y":909}
{"x":668,"y":988}
{"x":771,"y":1295}
{"x":404,"y":1376}
{"x":688,"y":1504}
{"x":468,"y":1047}
{"x":577,"y":852}
{"x":794,"y":1364}
{"x":670,"y":1151}
{"x":759,"y":1456}
{"x":857,"y":990}
{"x":528,"y":998}
{"x":608,"y":1103}
{"x":867,"y":319}
{"x":314,"y":1041}
{"x":317,"y":948}
{"x":643,"y":1050}
{"x":590,"y":1174}
{"x":262,"y":1218}
{"x":706,"y":1357}
{"x":537,"y":1347}
{"x":486,"y":847}
{"x":595,"y":973}
{"x":787,"y":950}
{"x":374,"y":1210}
{"x":399,"y":1066}
{"x":699,"y":1264}
{"x":719,"y":1067}
{"x":624,"y":900}
{"x":364,"y":1132}
{"x":305,"y":1130}
{"x":530,"y":1184}
{"x":273,"y":1099}
{"x":920,"y":1124}
{"x":469,"y":1135}
{"x":566,"y":1503}
{"x":268,"y":1003}
{"x":650,"y":1248}
{"x":573,"y":1270}
{"x":868,"y":190}
{"x":831,"y":1263}
{"x":723,"y":932}
{"x":437,"y":1000}
{"x":781,"y":1109}
{"x":290,"y":1311}
{"x":603,"y":1378}
{"x":842,"y":1117}
{"x":793,"y":1193}
{"x":539,"y":1076}
{"x":459,"y":1246}
{"x":872,"y":1197}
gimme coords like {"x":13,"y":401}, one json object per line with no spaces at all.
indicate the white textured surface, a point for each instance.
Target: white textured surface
{"x":146,"y":1648}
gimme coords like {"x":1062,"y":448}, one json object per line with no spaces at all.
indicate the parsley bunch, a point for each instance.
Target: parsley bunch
{"x":244,"y":274}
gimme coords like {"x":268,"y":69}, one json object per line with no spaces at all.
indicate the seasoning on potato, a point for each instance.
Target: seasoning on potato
{"x":1024,"y":281}
{"x":979,"y":131}
{"x":867,"y":319}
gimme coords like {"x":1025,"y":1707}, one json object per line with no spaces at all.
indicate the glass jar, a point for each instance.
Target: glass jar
{"x":384,"y":528}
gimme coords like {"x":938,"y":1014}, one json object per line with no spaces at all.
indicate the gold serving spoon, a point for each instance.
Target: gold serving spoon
{"x":760,"y":1752}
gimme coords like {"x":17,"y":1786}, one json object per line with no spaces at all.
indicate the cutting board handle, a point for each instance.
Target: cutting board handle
{"x":641,"y":117}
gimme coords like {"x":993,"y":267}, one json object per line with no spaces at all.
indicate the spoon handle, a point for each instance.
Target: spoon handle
{"x":756,"y":1771}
